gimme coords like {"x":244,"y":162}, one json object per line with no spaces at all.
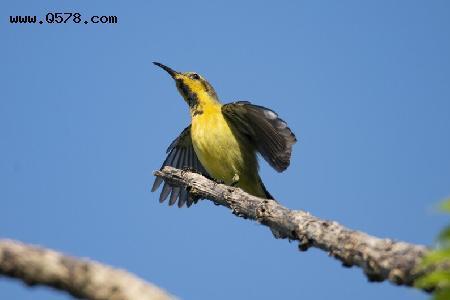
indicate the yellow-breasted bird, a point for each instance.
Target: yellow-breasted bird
{"x":223,"y":139}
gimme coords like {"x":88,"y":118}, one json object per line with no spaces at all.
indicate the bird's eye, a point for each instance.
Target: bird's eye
{"x":195,"y":76}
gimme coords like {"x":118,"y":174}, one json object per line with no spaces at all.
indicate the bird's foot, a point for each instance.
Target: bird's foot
{"x":235,"y":180}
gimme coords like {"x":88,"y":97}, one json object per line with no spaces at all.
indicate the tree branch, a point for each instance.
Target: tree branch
{"x":80,"y":278}
{"x":380,"y":259}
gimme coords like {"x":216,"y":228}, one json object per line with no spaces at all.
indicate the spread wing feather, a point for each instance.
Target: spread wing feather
{"x":264,"y":129}
{"x":181,"y":155}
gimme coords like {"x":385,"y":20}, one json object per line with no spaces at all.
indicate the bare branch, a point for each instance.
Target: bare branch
{"x":81,"y":278}
{"x":380,"y":259}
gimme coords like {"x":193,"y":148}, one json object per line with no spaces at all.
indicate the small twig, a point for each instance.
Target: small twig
{"x":81,"y":278}
{"x":380,"y":259}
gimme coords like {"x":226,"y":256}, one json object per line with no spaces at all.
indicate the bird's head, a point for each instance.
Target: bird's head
{"x":193,"y":87}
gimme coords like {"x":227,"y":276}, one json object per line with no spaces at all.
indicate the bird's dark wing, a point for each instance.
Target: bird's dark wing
{"x":181,"y":155}
{"x":270,"y":134}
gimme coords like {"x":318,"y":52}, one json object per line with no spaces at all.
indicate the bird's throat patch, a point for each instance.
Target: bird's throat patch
{"x":190,"y":96}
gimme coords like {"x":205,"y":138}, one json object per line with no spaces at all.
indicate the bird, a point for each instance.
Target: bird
{"x":223,"y":140}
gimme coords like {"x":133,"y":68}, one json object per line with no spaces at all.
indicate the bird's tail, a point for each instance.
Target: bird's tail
{"x":266,"y":192}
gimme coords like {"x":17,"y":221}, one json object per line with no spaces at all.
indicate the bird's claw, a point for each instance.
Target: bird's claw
{"x":235,"y":180}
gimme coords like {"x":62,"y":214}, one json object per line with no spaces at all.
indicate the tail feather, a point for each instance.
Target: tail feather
{"x":268,"y":195}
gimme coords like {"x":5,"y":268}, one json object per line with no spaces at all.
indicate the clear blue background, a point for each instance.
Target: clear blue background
{"x":85,"y":119}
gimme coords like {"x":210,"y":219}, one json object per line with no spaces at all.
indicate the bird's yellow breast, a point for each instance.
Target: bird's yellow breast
{"x":216,"y":146}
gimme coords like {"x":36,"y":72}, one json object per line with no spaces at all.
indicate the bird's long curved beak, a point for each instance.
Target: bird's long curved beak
{"x":167,"y":69}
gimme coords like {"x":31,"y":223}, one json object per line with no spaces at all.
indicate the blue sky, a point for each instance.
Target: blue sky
{"x":85,"y":118}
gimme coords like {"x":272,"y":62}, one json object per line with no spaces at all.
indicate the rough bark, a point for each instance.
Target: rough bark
{"x":81,"y":278}
{"x":380,"y":259}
